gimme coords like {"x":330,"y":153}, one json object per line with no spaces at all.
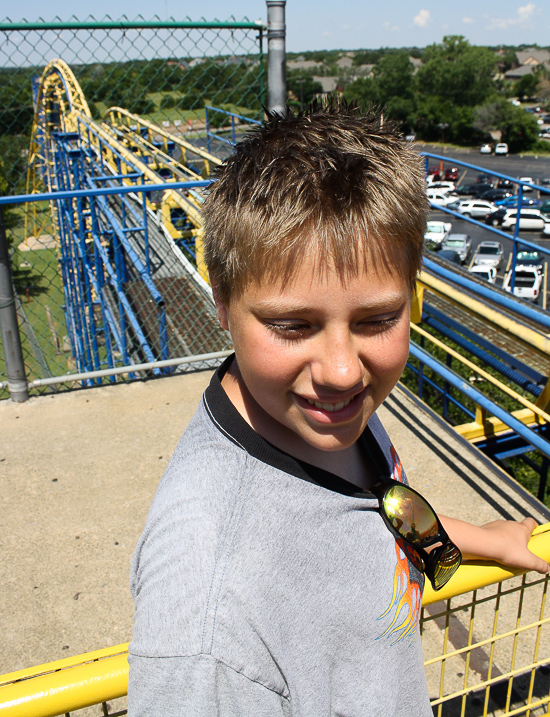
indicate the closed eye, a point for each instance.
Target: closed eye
{"x":288,"y":330}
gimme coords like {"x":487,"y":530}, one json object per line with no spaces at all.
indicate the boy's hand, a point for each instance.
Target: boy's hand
{"x":504,"y":541}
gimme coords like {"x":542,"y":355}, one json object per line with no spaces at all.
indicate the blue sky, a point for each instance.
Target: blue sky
{"x":327,"y":24}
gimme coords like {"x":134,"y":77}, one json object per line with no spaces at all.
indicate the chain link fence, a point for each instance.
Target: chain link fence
{"x":107,"y":280}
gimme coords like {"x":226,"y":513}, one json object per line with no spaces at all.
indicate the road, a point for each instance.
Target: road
{"x":514,"y":166}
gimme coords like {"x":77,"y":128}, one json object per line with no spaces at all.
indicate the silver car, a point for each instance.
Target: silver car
{"x":489,"y":253}
{"x":461,"y":243}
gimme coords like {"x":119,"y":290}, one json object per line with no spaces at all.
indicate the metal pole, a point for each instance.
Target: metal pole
{"x":276,"y":55}
{"x":9,"y":328}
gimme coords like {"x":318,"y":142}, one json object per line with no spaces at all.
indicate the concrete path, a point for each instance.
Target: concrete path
{"x":78,"y":471}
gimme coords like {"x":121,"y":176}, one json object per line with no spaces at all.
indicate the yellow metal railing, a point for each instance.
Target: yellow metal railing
{"x":486,"y":640}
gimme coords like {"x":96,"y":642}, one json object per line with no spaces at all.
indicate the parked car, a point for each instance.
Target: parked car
{"x":485,"y":149}
{"x":450,"y":255}
{"x":473,"y":190}
{"x":442,"y":186}
{"x":439,"y":198}
{"x":545,"y":207}
{"x":489,"y":273}
{"x":481,"y":188}
{"x":529,"y":219}
{"x":527,"y":182}
{"x":514,"y":200}
{"x":527,"y":282}
{"x":437,"y":232}
{"x":433,"y":174}
{"x":475,"y":208}
{"x":501,"y":148}
{"x":451,"y":174}
{"x":489,"y":253}
{"x":461,"y":243}
{"x":484,"y":178}
{"x":494,"y":195}
{"x":505,"y":184}
{"x":496,"y":217}
{"x":527,"y":256}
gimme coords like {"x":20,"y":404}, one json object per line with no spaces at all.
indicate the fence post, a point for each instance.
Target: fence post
{"x":276,"y":55}
{"x":9,"y":328}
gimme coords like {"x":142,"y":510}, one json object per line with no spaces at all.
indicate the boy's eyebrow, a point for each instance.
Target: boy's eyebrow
{"x":393,"y":300}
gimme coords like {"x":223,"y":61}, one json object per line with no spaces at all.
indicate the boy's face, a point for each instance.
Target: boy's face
{"x":317,"y":356}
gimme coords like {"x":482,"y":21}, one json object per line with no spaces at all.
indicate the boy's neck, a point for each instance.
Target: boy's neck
{"x":349,"y":463}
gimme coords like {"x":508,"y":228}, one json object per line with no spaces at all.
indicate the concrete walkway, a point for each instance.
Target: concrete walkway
{"x":78,"y":471}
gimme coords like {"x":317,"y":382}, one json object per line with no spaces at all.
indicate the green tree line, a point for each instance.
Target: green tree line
{"x":454,"y":96}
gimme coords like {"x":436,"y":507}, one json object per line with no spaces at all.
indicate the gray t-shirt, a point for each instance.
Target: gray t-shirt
{"x":264,"y":586}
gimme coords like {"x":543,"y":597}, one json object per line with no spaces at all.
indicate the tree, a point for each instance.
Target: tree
{"x":304,"y":88}
{"x":458,"y":72}
{"x":518,"y":128}
{"x":394,"y":77}
{"x":527,"y":85}
{"x":392,"y":86}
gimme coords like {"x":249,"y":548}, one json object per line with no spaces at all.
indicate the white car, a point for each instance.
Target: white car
{"x":488,"y":254}
{"x":489,"y":273}
{"x":437,"y":232}
{"x":501,"y":148}
{"x":443,"y":187}
{"x":475,"y":208}
{"x":439,"y":198}
{"x":529,"y":219}
{"x":485,"y":149}
{"x":528,"y":181}
{"x":527,"y":282}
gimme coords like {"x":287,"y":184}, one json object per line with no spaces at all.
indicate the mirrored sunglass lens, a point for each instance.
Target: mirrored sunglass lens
{"x":410,"y":514}
{"x":447,"y":565}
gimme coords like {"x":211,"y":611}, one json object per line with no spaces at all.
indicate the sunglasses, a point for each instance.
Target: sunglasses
{"x":409,"y":516}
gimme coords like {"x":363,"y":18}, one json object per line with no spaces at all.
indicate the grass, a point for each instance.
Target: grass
{"x":39,"y":289}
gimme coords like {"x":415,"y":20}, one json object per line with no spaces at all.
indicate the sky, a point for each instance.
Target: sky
{"x":331,"y":24}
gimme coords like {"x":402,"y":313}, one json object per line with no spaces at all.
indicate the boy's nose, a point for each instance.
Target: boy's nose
{"x":337,"y":363}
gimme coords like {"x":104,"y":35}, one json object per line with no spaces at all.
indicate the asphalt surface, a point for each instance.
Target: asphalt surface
{"x":513,"y":166}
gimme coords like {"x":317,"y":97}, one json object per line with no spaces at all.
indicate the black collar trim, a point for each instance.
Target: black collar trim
{"x":229,"y":421}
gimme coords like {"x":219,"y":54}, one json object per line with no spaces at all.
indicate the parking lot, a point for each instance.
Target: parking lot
{"x":513,"y":166}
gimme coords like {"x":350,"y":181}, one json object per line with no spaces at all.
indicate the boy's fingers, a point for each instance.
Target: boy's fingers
{"x":538,"y":564}
{"x":530,"y":523}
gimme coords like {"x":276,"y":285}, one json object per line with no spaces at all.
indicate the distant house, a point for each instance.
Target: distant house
{"x":364,"y":70}
{"x":329,"y":84}
{"x":344,"y":62}
{"x":534,"y":57}
{"x":518,"y":72}
{"x":303,"y":65}
{"x":417,"y":62}
{"x":530,"y":61}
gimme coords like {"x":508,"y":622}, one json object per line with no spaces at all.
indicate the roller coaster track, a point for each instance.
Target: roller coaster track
{"x":130,"y":264}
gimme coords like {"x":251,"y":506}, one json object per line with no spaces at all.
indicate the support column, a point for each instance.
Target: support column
{"x":276,"y":56}
{"x":9,"y":328}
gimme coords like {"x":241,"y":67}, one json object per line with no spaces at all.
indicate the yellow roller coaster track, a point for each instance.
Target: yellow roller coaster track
{"x":61,"y":106}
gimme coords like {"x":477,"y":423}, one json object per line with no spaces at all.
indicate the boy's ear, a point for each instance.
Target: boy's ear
{"x":221,"y":308}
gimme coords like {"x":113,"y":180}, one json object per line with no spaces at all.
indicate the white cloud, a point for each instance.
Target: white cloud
{"x":524,"y":15}
{"x":468,"y":20}
{"x":390,"y":28}
{"x":422,"y":19}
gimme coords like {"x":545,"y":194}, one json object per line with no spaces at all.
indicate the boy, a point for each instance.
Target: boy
{"x":267,"y":581}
